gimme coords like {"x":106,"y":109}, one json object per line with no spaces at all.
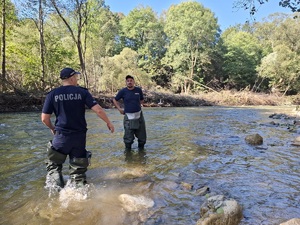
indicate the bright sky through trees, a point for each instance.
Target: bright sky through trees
{"x":223,"y":9}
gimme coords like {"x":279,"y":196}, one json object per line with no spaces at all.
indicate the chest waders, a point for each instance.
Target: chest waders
{"x":134,"y":128}
{"x":77,"y":167}
{"x":54,"y":166}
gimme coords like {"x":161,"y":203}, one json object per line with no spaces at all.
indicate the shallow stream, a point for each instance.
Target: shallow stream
{"x":201,"y":146}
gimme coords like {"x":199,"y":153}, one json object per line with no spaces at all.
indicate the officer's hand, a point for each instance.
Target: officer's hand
{"x":111,"y":127}
{"x":121,"y":111}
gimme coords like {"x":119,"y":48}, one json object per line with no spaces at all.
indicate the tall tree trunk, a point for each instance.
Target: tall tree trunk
{"x":82,"y":61}
{"x":42,"y":42}
{"x":82,"y":21}
{"x":3,"y":50}
{"x":185,"y":86}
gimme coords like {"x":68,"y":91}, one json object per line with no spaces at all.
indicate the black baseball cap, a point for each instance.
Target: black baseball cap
{"x":67,"y":72}
{"x":129,"y":76}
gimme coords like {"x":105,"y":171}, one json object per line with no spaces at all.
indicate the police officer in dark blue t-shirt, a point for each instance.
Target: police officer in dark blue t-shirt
{"x":68,"y":103}
{"x":134,"y":122}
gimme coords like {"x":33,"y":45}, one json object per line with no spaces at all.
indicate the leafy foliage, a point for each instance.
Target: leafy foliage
{"x":143,"y":32}
{"x":192,"y":31}
{"x":281,"y":65}
{"x":182,"y":49}
{"x":243,"y":53}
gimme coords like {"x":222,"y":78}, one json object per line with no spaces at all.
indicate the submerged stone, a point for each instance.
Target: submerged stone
{"x":134,"y":203}
{"x":220,"y":211}
{"x":254,"y":139}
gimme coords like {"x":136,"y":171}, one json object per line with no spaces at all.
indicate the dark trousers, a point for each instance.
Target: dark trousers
{"x":74,"y":146}
{"x":134,"y":128}
{"x":70,"y":144}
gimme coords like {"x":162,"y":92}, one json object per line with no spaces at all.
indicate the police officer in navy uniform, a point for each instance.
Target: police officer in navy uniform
{"x":68,"y":102}
{"x":134,"y":122}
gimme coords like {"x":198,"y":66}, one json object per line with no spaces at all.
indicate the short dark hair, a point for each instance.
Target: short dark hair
{"x":129,"y":76}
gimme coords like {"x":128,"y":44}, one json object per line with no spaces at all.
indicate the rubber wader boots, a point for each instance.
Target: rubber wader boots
{"x":127,"y":147}
{"x":54,"y":166}
{"x":78,"y":167}
{"x":141,"y":146}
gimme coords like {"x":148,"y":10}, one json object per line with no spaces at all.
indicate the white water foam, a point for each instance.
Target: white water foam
{"x":71,"y":193}
{"x":51,"y":186}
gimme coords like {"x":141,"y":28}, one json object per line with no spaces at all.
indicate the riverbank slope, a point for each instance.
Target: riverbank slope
{"x":29,"y":103}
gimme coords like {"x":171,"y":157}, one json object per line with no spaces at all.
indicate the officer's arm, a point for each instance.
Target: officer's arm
{"x":102,"y":115}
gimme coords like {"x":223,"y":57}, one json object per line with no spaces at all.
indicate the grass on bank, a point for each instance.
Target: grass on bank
{"x":16,"y":103}
{"x":222,"y":98}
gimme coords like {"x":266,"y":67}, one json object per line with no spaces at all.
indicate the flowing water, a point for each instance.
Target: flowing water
{"x":201,"y":146}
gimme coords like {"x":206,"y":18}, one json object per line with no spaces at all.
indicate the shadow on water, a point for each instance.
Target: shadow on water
{"x":139,"y":157}
{"x":187,"y":149}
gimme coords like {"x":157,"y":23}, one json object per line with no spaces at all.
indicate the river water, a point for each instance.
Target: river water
{"x":201,"y":146}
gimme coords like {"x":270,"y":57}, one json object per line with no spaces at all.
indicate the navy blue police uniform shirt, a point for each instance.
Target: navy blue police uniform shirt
{"x":131,"y":99}
{"x":68,"y":104}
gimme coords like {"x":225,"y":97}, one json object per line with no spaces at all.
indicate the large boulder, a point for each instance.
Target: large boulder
{"x":220,"y":211}
{"x":296,"y":141}
{"x":254,"y":139}
{"x":134,"y":203}
{"x":295,"y":221}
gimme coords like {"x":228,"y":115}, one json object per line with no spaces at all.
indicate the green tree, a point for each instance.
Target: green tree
{"x":117,"y":67}
{"x":192,"y":32}
{"x":23,"y":56}
{"x":143,"y":32}
{"x":8,"y":18}
{"x":60,"y":50}
{"x":76,"y":16}
{"x":282,"y":69}
{"x":3,"y":49}
{"x":36,"y":10}
{"x":242,"y":56}
{"x":104,"y":29}
{"x":281,"y":64}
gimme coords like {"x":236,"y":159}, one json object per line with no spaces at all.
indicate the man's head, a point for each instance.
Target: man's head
{"x":67,"y":73}
{"x":129,"y":76}
{"x":130,"y":82}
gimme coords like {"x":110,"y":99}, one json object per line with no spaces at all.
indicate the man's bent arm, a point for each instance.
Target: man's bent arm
{"x":47,"y":121}
{"x":116,"y":103}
